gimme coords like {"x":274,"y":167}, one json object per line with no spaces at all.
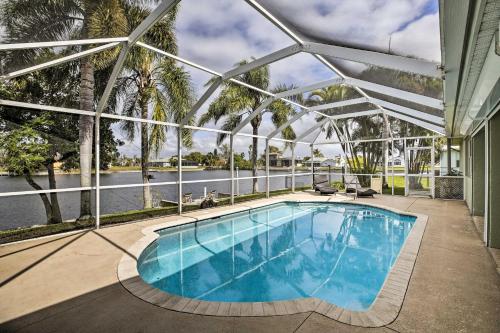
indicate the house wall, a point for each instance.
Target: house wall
{"x":468,"y":192}
{"x":397,"y":161}
{"x":478,"y":168}
{"x":494,"y":182}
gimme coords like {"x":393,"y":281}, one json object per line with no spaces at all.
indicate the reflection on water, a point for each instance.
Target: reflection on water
{"x":337,"y":252}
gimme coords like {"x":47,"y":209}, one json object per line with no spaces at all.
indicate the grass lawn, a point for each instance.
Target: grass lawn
{"x":397,"y":190}
{"x":138,"y":168}
{"x":399,"y":181}
{"x":124,"y":168}
{"x":399,"y":184}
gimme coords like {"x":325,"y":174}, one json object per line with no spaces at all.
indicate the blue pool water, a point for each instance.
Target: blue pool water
{"x":340,"y":253}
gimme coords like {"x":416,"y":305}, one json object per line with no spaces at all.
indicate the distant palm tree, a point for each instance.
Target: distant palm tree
{"x":236,"y":102}
{"x":331,"y":94}
{"x":352,"y":129}
{"x":28,"y":20}
{"x":318,"y":153}
{"x":153,"y":87}
{"x":415,"y":83}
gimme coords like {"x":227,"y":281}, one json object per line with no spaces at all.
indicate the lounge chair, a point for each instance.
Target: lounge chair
{"x":317,"y":186}
{"x":323,"y":186}
{"x":325,"y":190}
{"x":353,"y":186}
{"x":319,"y":181}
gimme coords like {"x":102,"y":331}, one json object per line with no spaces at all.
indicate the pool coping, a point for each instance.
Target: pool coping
{"x":383,"y":310}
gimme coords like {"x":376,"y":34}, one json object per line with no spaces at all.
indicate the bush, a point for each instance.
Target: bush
{"x":338,"y":185}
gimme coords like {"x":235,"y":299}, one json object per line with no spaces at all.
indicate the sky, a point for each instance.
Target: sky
{"x":219,"y":33}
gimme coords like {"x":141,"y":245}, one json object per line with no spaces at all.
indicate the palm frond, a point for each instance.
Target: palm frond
{"x":27,"y":20}
{"x":232,"y":121}
{"x":162,"y":33}
{"x":175,"y":83}
{"x":158,"y":133}
{"x":130,"y":109}
{"x":107,"y":20}
{"x":258,"y":77}
{"x":330,"y":130}
{"x":281,"y":87}
{"x":281,"y":112}
{"x":233,"y":99}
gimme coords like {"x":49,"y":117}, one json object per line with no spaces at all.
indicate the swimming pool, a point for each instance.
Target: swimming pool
{"x":338,"y":252}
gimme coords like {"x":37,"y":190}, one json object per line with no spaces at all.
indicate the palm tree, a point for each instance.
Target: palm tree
{"x":154,"y":88}
{"x":26,"y":20}
{"x":331,"y":94}
{"x":236,"y":102}
{"x":415,"y":83}
{"x":373,"y":126}
{"x":352,"y":129}
{"x":318,"y":153}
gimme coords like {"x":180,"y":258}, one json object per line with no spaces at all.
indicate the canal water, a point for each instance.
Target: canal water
{"x":28,"y":210}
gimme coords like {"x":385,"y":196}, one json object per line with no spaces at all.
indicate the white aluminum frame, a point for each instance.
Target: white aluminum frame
{"x":206,"y":95}
{"x":431,"y":127}
{"x":408,"y":111}
{"x":38,"y":45}
{"x":339,"y":104}
{"x":312,"y":129}
{"x":265,"y":60}
{"x":391,"y":61}
{"x":431,"y":122}
{"x":397,"y":93}
{"x":58,"y":61}
{"x":252,"y":115}
{"x":297,"y":39}
{"x":314,"y":86}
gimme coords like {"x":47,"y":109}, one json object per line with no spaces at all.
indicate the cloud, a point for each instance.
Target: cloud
{"x":421,"y":36}
{"x":217,"y":34}
{"x":367,"y":23}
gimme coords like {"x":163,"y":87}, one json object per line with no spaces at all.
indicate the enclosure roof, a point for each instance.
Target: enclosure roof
{"x":345,"y":51}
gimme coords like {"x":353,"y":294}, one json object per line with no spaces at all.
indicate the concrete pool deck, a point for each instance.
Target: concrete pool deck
{"x":69,"y":282}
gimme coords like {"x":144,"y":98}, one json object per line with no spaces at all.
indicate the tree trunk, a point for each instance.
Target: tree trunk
{"x":385,"y":152}
{"x":146,"y":190}
{"x":43,"y":196}
{"x":414,"y":183}
{"x":86,"y":129}
{"x":255,"y":141}
{"x":56,"y":211}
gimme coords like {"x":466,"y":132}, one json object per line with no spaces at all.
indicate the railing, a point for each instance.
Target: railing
{"x":122,"y":199}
